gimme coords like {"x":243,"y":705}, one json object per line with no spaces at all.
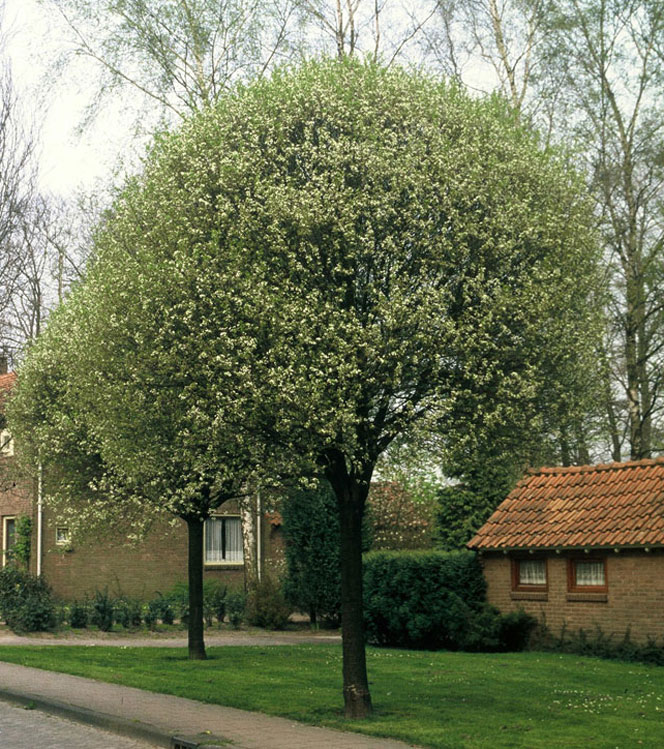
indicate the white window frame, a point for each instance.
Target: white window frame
{"x":62,"y":535}
{"x":222,"y":562}
{"x":6,"y":443}
{"x":5,"y":520}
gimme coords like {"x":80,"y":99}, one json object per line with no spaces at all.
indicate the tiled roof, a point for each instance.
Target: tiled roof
{"x":7,"y":380}
{"x":614,"y":505}
{"x":6,"y":383}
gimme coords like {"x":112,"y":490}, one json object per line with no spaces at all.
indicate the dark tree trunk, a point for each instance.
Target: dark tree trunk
{"x":351,"y":497}
{"x":196,"y":641}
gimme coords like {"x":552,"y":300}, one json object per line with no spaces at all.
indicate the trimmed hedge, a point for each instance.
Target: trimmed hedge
{"x":26,"y":601}
{"x":435,"y":600}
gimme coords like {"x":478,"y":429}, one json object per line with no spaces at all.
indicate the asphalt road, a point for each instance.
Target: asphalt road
{"x":31,"y":729}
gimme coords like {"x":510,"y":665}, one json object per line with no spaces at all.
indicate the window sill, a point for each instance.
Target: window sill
{"x":529,"y":595}
{"x":223,"y":565}
{"x":588,"y":597}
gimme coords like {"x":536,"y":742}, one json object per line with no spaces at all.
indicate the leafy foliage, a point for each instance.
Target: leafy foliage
{"x":79,"y":614}
{"x":397,"y":519}
{"x":102,"y":610}
{"x":26,"y":601}
{"x":464,"y":507}
{"x":311,"y":531}
{"x":236,"y":604}
{"x":20,"y":552}
{"x":266,"y":605}
{"x":433,"y":600}
{"x":325,"y":261}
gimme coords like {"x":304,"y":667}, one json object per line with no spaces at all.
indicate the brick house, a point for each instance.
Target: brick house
{"x":156,"y":564}
{"x":581,"y":548}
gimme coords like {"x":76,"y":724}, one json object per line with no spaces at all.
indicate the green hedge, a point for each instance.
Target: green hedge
{"x":26,"y":602}
{"x":433,"y":600}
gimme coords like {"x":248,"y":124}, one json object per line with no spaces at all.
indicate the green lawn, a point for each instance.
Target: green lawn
{"x":434,"y":699}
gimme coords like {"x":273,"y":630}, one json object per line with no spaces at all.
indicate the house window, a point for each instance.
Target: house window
{"x":62,"y":536}
{"x":223,"y":540}
{"x":8,"y":538}
{"x":6,"y":443}
{"x":529,"y":575}
{"x":587,"y":575}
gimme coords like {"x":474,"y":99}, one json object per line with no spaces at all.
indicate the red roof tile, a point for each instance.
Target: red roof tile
{"x":7,"y":381}
{"x":619,"y":504}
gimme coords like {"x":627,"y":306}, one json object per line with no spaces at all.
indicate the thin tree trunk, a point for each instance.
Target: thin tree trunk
{"x":195,"y":627}
{"x":351,"y":497}
{"x":249,"y":520}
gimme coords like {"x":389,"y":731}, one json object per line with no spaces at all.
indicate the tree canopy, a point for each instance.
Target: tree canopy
{"x":326,"y":261}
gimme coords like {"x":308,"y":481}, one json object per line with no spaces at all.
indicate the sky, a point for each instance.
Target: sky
{"x":55,"y":105}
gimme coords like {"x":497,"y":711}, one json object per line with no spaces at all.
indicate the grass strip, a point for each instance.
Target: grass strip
{"x":440,"y":699}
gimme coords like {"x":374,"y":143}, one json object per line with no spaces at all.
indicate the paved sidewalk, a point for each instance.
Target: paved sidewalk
{"x":213,"y":638}
{"x":158,"y":718}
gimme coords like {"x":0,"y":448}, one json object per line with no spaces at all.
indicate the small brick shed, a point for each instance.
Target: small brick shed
{"x":581,"y":547}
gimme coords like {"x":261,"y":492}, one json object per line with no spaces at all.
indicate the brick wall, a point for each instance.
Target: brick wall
{"x":141,"y":570}
{"x":634,"y":598}
{"x":16,"y":501}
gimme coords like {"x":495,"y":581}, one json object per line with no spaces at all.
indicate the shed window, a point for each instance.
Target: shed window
{"x":529,"y":574}
{"x":587,"y":575}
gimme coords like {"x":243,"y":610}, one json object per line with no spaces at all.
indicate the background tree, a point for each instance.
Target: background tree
{"x":614,"y":88}
{"x":144,"y":440}
{"x":311,"y":531}
{"x":179,"y":54}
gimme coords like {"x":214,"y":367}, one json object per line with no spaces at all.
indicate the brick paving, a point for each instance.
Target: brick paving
{"x":28,"y":729}
{"x":156,"y":718}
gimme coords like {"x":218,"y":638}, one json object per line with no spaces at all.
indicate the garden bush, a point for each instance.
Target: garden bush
{"x":102,"y":610}
{"x":79,"y":614}
{"x":214,"y":601}
{"x":151,"y":613}
{"x":266,"y":605}
{"x":159,"y":608}
{"x":128,"y":612}
{"x":597,"y":643}
{"x":434,"y":600}
{"x":236,"y":602}
{"x":26,"y":601}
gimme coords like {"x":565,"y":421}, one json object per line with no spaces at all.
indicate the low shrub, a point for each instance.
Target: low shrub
{"x":435,"y":600}
{"x":26,"y":601}
{"x":598,"y":644}
{"x":79,"y":614}
{"x":236,"y":602}
{"x":128,"y":612}
{"x":151,"y":614}
{"x":266,"y":605}
{"x":214,"y":601}
{"x":159,"y":608}
{"x":178,"y":597}
{"x":102,"y":610}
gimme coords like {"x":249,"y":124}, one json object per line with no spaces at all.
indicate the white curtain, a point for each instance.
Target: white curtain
{"x":590,"y":573}
{"x":532,"y":572}
{"x":223,"y":540}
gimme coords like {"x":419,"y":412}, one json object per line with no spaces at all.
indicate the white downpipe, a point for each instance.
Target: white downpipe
{"x":40,"y":518}
{"x":259,"y":530}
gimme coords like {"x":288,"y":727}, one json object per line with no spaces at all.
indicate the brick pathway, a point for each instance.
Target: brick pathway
{"x":157,"y":718}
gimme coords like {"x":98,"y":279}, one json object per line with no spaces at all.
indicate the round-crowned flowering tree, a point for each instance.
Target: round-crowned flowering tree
{"x":327,"y":260}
